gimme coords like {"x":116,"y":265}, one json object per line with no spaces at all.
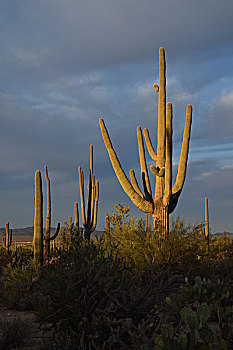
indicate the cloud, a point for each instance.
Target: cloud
{"x":64,"y":64}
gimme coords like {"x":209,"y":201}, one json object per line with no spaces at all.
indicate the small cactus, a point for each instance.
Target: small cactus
{"x":76,"y":216}
{"x":107,"y":224}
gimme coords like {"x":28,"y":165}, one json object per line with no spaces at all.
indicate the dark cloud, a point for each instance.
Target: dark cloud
{"x":64,"y":64}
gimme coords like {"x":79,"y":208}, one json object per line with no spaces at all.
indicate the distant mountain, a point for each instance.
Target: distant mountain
{"x":26,"y":231}
{"x":221,"y":234}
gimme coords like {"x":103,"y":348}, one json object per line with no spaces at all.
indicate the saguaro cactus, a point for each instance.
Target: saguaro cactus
{"x":38,"y":220}
{"x":148,"y":223}
{"x":38,"y":236}
{"x":107,"y":224}
{"x":48,"y":238}
{"x":7,"y":240}
{"x":165,"y":196}
{"x":90,"y":219}
{"x":76,"y":216}
{"x":206,"y":218}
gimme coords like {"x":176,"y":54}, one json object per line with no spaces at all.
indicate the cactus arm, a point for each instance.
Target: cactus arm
{"x":96,"y":206}
{"x":81,"y":186}
{"x":89,"y":201}
{"x":184,"y":153}
{"x":157,"y":171}
{"x":139,"y":202}
{"x":161,"y":110}
{"x":142,"y":158}
{"x":10,"y":241}
{"x":76,"y":216}
{"x":93,"y":198}
{"x":56,"y":233}
{"x":48,"y":217}
{"x":147,"y":194}
{"x":91,"y":159}
{"x":149,"y":146}
{"x":168,"y":162}
{"x":134,"y":182}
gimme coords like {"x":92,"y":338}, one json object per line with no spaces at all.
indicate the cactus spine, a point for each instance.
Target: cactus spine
{"x":38,"y":220}
{"x":7,"y":240}
{"x":165,"y":196}
{"x":89,"y":219}
{"x":48,"y":238}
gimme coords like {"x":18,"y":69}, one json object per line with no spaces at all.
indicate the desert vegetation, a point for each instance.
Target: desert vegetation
{"x":128,"y":289}
{"x":143,"y":284}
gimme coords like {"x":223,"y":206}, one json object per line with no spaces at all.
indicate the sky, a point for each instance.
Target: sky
{"x":66,"y":63}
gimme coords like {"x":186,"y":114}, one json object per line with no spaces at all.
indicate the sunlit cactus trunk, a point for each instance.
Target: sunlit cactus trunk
{"x":206,"y":218}
{"x":76,"y":216}
{"x":165,"y":196}
{"x":48,"y":238}
{"x":207,"y":233}
{"x":38,"y":220}
{"x":48,"y":218}
{"x":148,"y":223}
{"x":7,"y":240}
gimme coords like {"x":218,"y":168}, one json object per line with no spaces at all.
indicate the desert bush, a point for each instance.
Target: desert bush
{"x":18,"y":280}
{"x":70,"y":237}
{"x":184,"y":245}
{"x":106,"y":306}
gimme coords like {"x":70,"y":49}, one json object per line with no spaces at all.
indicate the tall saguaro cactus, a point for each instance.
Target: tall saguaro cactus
{"x":48,"y":237}
{"x":206,"y":218}
{"x":40,"y":242}
{"x":38,"y":220}
{"x":48,"y":217}
{"x":165,"y":196}
{"x":7,"y":240}
{"x":89,"y":219}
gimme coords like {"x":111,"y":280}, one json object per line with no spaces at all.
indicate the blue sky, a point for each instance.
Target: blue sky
{"x":65,"y":64}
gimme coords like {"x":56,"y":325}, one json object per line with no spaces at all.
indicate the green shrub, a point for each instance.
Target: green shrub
{"x":107,"y":307}
{"x":184,"y":245}
{"x":18,"y":280}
